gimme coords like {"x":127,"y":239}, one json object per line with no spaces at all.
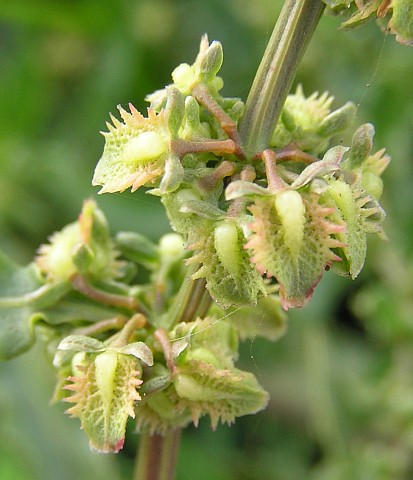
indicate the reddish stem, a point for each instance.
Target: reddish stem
{"x":219,"y":147}
{"x":81,"y":285}
{"x":203,"y":95}
{"x":208,"y":182}
{"x":275,"y":182}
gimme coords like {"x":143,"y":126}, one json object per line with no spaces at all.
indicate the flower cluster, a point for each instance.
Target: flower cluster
{"x":288,"y":212}
{"x":260,"y":229}
{"x":256,"y":229}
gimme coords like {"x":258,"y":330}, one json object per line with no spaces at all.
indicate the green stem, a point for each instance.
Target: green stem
{"x":43,"y":297}
{"x":187,"y":300}
{"x":157,"y":456}
{"x":288,"y":42}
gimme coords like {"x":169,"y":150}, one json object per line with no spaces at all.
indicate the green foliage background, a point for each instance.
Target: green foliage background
{"x":341,"y":379}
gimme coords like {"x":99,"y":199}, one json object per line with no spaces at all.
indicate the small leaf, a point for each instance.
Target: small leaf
{"x":362,"y":15}
{"x":401,"y":22}
{"x":316,"y":169}
{"x":81,"y":343}
{"x":241,"y":188}
{"x":16,"y":323}
{"x":138,"y":248}
{"x":156,"y":384}
{"x":173,"y":176}
{"x":202,"y":209}
{"x":139,"y":350}
{"x":178,"y":346}
{"x":337,"y":121}
{"x":335,"y":154}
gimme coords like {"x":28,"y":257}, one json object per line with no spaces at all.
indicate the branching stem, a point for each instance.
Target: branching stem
{"x":288,"y":42}
{"x":218,"y":147}
{"x":80,"y":284}
{"x":203,"y":95}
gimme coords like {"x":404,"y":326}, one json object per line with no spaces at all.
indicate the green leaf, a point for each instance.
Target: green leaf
{"x":136,"y":247}
{"x":315,"y":170}
{"x":401,"y":22}
{"x":16,"y":324}
{"x":211,"y":62}
{"x":362,"y":15}
{"x":174,"y":110}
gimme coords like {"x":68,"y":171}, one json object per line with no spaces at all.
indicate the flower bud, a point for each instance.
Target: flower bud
{"x":184,"y":77}
{"x":211,"y":62}
{"x":361,"y":145}
{"x":174,"y":110}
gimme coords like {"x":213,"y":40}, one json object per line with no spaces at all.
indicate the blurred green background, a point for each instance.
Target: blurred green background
{"x":341,"y":379}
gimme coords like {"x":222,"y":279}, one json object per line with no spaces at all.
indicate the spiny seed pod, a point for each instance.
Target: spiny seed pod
{"x":135,"y":151}
{"x":104,"y":397}
{"x":231,"y":277}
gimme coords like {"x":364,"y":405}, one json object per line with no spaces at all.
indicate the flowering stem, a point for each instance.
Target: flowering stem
{"x":298,"y":19}
{"x":157,"y":456}
{"x":288,"y":42}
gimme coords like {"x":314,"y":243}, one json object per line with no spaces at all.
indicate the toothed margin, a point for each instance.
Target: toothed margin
{"x":112,"y":172}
